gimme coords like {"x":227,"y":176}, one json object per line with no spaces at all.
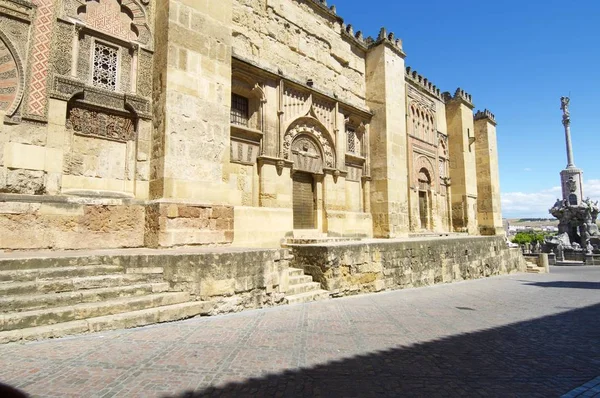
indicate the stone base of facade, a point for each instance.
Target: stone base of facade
{"x":32,"y":222}
{"x":377,"y":265}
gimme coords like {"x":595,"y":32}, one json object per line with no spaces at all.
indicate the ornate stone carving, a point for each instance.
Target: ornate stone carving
{"x":108,"y":17}
{"x":306,"y":155}
{"x":100,"y":124}
{"x":62,"y":46}
{"x":311,"y":127}
{"x":295,"y":103}
{"x":11,"y":76}
{"x":144,"y":74}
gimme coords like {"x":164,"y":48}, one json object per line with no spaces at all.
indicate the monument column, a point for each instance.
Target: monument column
{"x":571,"y":178}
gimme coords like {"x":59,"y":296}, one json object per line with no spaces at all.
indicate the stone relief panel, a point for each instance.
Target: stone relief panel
{"x":313,"y":128}
{"x":15,"y":31}
{"x":295,"y":103}
{"x":354,"y":173}
{"x":306,"y":155}
{"x":419,"y":99}
{"x":144,"y":78}
{"x":62,"y":45}
{"x":101,"y":125}
{"x":243,"y":151}
{"x":324,"y":111}
{"x":11,"y":77}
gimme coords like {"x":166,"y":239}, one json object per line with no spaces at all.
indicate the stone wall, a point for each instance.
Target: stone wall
{"x":304,"y":42}
{"x":57,"y":223}
{"x":350,"y":268}
{"x":68,"y":222}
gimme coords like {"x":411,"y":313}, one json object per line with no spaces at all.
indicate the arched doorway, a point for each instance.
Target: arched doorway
{"x":308,"y":161}
{"x":424,"y":179}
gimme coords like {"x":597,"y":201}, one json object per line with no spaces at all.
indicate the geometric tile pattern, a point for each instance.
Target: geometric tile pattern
{"x":107,"y":17}
{"x":40,"y":57}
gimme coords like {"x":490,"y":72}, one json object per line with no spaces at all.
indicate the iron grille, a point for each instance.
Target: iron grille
{"x":351,"y":136}
{"x":239,"y":110}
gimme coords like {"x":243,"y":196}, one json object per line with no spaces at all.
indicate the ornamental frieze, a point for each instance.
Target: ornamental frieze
{"x":102,"y":125}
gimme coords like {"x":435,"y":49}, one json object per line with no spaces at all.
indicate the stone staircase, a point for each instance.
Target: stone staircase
{"x":532,"y":268}
{"x":302,"y":289}
{"x":46,"y":299}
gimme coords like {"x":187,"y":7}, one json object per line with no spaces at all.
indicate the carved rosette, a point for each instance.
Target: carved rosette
{"x":101,"y":125}
{"x":312,"y":128}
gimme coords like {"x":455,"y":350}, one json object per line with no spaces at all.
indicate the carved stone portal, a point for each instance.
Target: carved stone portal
{"x":311,"y":128}
{"x":307,"y":156}
{"x":99,"y":124}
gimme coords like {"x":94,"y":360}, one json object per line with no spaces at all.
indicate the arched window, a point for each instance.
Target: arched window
{"x":424,"y":179}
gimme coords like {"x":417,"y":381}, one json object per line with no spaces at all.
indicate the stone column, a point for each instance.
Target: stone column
{"x":192,"y":100}
{"x":489,"y":214}
{"x":386,"y":96}
{"x":461,"y":139}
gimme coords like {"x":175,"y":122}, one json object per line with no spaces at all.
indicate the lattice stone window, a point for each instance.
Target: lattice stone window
{"x":105,"y":66}
{"x":351,"y":137}
{"x":239,"y":110}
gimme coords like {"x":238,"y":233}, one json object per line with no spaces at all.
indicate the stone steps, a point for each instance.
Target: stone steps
{"x":71,"y":284}
{"x":293,"y":272}
{"x":303,"y":288}
{"x":20,"y":303}
{"x":54,"y":297}
{"x":298,"y":280}
{"x":53,"y":315}
{"x":306,"y":297}
{"x":534,"y":269}
{"x":126,"y":320}
{"x":27,"y":275}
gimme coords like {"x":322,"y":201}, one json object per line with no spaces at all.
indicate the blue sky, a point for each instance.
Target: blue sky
{"x":516,"y":58}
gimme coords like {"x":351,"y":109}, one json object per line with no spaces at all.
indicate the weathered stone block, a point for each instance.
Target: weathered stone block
{"x":25,"y":182}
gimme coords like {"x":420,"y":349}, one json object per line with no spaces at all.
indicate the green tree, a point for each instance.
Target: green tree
{"x":524,"y":237}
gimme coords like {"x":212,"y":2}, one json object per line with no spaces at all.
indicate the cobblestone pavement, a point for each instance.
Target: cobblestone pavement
{"x":523,"y":335}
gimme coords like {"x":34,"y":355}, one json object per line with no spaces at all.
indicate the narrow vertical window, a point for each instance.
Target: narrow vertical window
{"x":105,"y":66}
{"x":351,"y":137}
{"x":239,"y":110}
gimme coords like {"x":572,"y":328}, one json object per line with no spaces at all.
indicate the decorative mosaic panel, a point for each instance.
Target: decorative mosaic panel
{"x":101,"y":125}
{"x":40,"y":55}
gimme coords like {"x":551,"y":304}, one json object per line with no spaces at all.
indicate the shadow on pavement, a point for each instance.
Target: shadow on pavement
{"x":543,"y":357}
{"x":567,"y":284}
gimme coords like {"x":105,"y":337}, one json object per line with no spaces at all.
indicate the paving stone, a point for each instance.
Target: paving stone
{"x":530,"y":335}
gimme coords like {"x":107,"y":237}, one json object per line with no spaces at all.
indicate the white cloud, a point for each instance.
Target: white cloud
{"x":536,"y":204}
